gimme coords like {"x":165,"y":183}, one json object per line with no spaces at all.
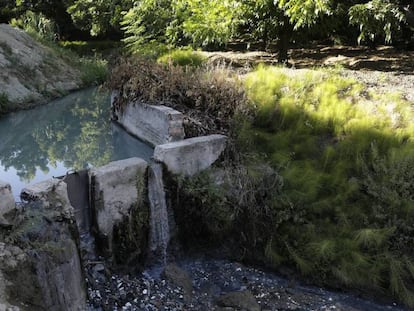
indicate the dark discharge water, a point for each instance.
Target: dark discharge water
{"x":71,"y":133}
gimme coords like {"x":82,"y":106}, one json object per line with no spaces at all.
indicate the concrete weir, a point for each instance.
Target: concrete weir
{"x":114,"y":196}
{"x":163,"y":127}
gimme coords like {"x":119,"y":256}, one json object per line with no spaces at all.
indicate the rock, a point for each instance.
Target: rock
{"x":53,"y":193}
{"x":46,"y":264}
{"x":243,"y":300}
{"x":153,"y":124}
{"x":190,"y":156}
{"x":7,"y":203}
{"x":116,"y":189}
{"x":180,"y":278}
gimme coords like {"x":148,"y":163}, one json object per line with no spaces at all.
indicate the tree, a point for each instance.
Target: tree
{"x":377,"y":18}
{"x":98,"y":17}
{"x":180,"y":23}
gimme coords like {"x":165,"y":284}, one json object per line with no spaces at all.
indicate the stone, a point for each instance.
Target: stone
{"x":243,"y":300}
{"x":115,"y":190}
{"x":53,"y":193}
{"x":47,"y":266}
{"x":7,"y":203}
{"x":179,"y":277}
{"x":154,"y":124}
{"x":190,"y":156}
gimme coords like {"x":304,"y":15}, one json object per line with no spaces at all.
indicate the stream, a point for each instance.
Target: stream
{"x":74,"y":133}
{"x":71,"y":133}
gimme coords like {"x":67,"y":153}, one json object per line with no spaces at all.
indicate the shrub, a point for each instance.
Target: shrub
{"x":182,"y":58}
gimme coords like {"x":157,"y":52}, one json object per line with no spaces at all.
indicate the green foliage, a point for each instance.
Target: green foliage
{"x":182,"y":58}
{"x":94,"y":71}
{"x":36,"y":24}
{"x":305,"y":13}
{"x":99,"y":16}
{"x":347,"y":161}
{"x":179,"y":23}
{"x":377,"y":18}
{"x":206,"y":22}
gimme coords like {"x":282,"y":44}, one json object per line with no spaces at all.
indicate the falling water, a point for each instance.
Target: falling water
{"x":159,"y":227}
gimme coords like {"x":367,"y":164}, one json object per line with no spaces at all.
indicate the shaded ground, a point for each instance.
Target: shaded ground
{"x":206,"y":284}
{"x":384,"y":69}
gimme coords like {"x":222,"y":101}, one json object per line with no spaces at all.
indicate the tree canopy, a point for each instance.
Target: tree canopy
{"x":200,"y":23}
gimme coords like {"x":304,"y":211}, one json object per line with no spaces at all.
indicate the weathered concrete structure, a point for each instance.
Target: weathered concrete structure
{"x":190,"y":156}
{"x":116,"y":189}
{"x":154,"y":124}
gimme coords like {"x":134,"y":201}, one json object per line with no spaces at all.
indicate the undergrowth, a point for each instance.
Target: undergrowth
{"x":347,"y":159}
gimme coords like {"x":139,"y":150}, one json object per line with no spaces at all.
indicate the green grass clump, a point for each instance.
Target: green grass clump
{"x":94,"y":71}
{"x":347,"y":161}
{"x":182,"y":58}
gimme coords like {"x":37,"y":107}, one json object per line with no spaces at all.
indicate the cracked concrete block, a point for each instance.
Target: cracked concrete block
{"x":190,"y":156}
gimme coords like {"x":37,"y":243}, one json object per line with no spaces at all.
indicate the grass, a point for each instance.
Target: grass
{"x":94,"y":71}
{"x":182,"y":58}
{"x":346,"y":159}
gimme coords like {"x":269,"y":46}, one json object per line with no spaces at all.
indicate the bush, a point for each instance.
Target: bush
{"x":182,"y":58}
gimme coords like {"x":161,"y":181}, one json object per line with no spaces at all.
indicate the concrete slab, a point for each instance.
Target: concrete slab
{"x":190,"y":156}
{"x":154,"y":124}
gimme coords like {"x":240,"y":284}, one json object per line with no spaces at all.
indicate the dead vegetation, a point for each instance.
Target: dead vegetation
{"x":208,"y":96}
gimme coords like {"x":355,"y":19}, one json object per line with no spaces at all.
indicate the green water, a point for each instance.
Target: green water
{"x":71,"y":133}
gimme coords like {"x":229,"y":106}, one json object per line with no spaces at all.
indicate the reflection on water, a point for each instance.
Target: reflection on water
{"x":71,"y":133}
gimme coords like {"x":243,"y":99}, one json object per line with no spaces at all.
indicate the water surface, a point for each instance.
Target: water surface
{"x":71,"y":133}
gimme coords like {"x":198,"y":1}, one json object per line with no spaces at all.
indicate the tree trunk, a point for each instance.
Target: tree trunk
{"x":285,"y":36}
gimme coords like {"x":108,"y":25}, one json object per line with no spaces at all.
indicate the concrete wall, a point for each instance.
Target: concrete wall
{"x":115,"y":191}
{"x":154,"y":124}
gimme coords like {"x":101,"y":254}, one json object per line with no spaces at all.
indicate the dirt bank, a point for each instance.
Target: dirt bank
{"x":31,"y":73}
